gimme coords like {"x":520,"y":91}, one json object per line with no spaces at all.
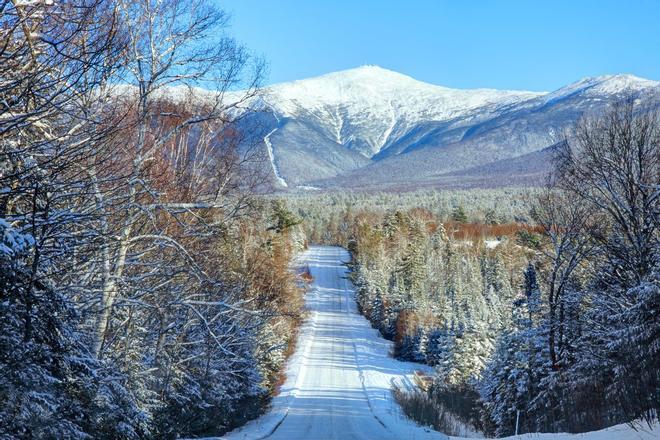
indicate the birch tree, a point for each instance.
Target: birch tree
{"x":172,"y":47}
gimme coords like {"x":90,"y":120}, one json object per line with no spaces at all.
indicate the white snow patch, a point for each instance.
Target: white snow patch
{"x":271,"y":156}
{"x":389,"y":129}
{"x":492,"y":244}
{"x":618,"y":432}
{"x":339,"y":125}
{"x":309,"y":188}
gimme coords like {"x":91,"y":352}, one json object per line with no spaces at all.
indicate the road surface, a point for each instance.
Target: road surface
{"x":339,"y":380}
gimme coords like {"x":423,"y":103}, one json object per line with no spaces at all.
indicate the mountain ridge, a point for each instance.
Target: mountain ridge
{"x":371,"y":126}
{"x":395,"y":100}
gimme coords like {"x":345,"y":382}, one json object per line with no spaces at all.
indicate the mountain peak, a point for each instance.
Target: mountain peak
{"x":374,"y":82}
{"x":369,"y":68}
{"x":371,"y":71}
{"x":617,"y":83}
{"x":367,"y":76}
{"x":372,"y":75}
{"x":388,"y":124}
{"x":368,"y":107}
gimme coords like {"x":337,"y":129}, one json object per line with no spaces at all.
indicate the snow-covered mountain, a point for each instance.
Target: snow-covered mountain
{"x":368,"y":109}
{"x":369,"y":127}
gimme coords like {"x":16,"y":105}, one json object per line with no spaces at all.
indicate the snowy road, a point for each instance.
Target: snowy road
{"x":339,"y":380}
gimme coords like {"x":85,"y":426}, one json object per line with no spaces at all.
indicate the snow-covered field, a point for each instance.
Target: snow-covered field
{"x":340,"y":378}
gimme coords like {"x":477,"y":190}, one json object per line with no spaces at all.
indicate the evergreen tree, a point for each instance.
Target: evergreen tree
{"x":436,"y":346}
{"x":491,"y":217}
{"x":283,"y":219}
{"x":459,"y":215}
{"x":532,"y":293}
{"x":412,"y":272}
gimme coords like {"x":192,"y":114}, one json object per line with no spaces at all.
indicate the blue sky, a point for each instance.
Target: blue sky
{"x":533,"y":45}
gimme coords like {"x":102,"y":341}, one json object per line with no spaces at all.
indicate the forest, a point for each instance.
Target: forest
{"x":539,"y":311}
{"x":145,"y":289}
{"x":148,"y":285}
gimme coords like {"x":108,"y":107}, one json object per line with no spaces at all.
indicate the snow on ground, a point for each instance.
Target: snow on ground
{"x":618,"y":432}
{"x":339,"y":380}
{"x":308,"y":188}
{"x":492,"y":244}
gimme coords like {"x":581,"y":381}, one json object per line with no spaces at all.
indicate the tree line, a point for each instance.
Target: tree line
{"x":328,"y":216}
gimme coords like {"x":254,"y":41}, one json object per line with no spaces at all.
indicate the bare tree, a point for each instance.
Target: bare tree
{"x":53,"y":58}
{"x":612,"y":164}
{"x":566,"y":226}
{"x":173,"y":47}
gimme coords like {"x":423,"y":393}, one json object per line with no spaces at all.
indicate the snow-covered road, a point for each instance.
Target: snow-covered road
{"x":340,"y":378}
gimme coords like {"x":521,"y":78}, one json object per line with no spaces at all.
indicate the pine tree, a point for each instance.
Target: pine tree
{"x":459,"y":215}
{"x":412,"y":270}
{"x":532,"y":293}
{"x":435,"y":346}
{"x":283,"y":219}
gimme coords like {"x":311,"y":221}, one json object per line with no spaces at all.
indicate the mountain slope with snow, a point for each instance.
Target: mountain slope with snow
{"x":372,"y":126}
{"x":369,"y":108}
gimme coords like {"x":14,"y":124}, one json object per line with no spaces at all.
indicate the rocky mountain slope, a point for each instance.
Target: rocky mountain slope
{"x":373,"y":128}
